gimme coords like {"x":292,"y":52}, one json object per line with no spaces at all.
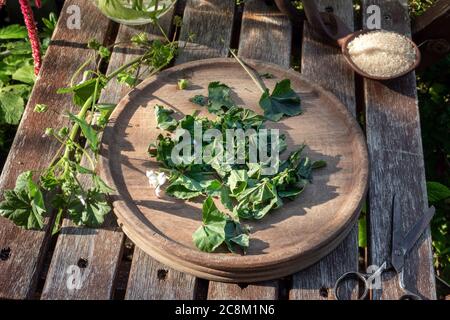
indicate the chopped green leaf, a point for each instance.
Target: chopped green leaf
{"x":219,"y":98}
{"x":40,"y":108}
{"x":183,"y":84}
{"x":199,"y":100}
{"x":211,"y":234}
{"x":164,"y":118}
{"x":282,"y":102}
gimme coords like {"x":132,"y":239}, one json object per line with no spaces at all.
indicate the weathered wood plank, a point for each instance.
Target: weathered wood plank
{"x":102,"y":248}
{"x":105,"y":245}
{"x":324,"y":65}
{"x":150,"y":280}
{"x":268,"y":290}
{"x":397,"y":165}
{"x":19,"y":273}
{"x":265,"y":34}
{"x":209,"y":21}
{"x":262,"y":27}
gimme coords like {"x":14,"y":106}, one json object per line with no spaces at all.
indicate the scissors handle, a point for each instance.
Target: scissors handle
{"x":351,"y":276}
{"x":410,"y":296}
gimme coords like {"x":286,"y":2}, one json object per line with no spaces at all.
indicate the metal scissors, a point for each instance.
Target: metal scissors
{"x":401,"y":245}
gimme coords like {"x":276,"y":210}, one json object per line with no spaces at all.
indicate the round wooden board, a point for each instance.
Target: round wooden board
{"x":285,"y":241}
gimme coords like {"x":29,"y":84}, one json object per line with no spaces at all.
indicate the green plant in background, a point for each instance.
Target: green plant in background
{"x":17,"y":75}
{"x":417,"y":7}
{"x":434,"y":105}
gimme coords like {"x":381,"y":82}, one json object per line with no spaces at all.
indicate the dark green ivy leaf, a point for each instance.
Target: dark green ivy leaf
{"x":282,"y":102}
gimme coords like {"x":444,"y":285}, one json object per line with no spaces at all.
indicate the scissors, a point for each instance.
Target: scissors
{"x":401,"y":245}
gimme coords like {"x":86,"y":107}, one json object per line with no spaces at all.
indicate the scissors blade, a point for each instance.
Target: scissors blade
{"x":419,"y":227}
{"x":398,"y":251}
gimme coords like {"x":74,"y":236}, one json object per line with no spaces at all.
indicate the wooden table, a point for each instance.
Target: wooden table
{"x":36,"y":265}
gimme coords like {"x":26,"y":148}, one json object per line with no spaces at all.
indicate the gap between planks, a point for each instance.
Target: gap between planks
{"x":325,"y":65}
{"x":262,"y":27}
{"x":102,"y":247}
{"x":19,"y":274}
{"x":396,"y":157}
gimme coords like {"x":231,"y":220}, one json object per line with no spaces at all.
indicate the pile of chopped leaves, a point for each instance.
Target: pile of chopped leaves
{"x":242,"y":188}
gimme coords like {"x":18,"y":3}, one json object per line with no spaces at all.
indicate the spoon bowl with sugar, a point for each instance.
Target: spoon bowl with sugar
{"x":374,"y":54}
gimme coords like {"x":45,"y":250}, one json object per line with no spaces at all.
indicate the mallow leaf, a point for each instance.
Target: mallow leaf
{"x":217,"y":228}
{"x":282,"y":102}
{"x":25,"y":204}
{"x":88,"y":131}
{"x":88,"y":209}
{"x":236,"y":236}
{"x":164,"y":118}
{"x":219,"y":98}
{"x":211,"y":234}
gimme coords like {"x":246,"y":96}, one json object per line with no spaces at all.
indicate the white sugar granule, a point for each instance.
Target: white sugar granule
{"x":382,"y":53}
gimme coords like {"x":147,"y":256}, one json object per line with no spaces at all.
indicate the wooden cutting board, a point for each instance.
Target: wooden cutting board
{"x":285,"y":241}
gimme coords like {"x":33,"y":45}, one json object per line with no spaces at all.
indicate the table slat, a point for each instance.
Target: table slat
{"x":266,"y":34}
{"x":263,"y":26}
{"x":210,"y":22}
{"x":397,"y":165}
{"x":30,"y":150}
{"x":207,"y":20}
{"x":151,"y":280}
{"x":101,"y":247}
{"x":324,"y":65}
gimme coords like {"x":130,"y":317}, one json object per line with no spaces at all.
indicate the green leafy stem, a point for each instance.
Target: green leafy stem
{"x":58,"y":186}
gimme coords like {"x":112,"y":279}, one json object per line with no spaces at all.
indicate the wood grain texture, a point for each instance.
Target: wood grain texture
{"x":210,"y":22}
{"x":262,"y":26}
{"x":396,"y":156}
{"x":267,"y":290}
{"x":266,"y":34}
{"x":325,"y":65}
{"x":151,"y":280}
{"x":144,"y":269}
{"x":101,"y":247}
{"x":200,"y":23}
{"x":30,"y":150}
{"x":313,"y":224}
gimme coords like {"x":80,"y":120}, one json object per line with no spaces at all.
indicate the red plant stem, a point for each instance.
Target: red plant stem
{"x":37,"y":3}
{"x":32,"y":33}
